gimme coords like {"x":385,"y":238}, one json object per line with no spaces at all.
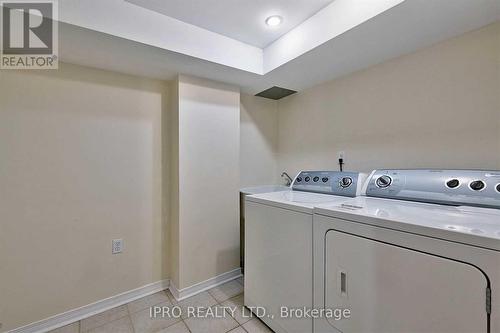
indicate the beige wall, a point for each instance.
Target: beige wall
{"x":89,"y":156}
{"x":208,"y":180}
{"x":80,"y":165}
{"x":437,"y":108}
{"x":171,"y":176}
{"x":258,"y":141}
{"x":207,"y":132}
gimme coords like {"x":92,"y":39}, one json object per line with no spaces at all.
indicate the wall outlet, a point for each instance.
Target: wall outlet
{"x":117,"y":246}
{"x":342,"y":154}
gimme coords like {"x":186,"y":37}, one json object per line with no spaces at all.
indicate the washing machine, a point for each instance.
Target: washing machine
{"x":278,"y":245}
{"x":419,"y":253}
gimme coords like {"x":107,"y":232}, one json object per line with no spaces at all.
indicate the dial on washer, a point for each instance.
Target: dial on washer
{"x":477,"y":185}
{"x":384,"y":181}
{"x":453,"y":183}
{"x":346,"y":182}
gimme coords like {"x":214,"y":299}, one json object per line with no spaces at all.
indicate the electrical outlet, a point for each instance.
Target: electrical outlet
{"x":342,"y":154}
{"x":117,"y":246}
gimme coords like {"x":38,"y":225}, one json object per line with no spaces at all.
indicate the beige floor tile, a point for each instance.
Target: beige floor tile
{"x":180,"y":327}
{"x":143,"y":323}
{"x":256,"y":326}
{"x":238,"y":329}
{"x":212,"y":324}
{"x":103,"y":318}
{"x":123,"y":325}
{"x":146,"y":302}
{"x":203,"y":299}
{"x":226,"y":291}
{"x":71,"y":328}
{"x":238,"y":310}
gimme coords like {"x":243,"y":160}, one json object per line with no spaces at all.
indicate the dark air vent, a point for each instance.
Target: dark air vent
{"x":276,"y":93}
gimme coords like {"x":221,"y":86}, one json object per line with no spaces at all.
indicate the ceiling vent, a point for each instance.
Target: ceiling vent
{"x":276,"y":93}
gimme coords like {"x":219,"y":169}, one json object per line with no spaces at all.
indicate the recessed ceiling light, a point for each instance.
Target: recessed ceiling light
{"x":274,"y":20}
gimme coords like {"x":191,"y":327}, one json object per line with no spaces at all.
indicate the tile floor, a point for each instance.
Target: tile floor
{"x":134,"y":317}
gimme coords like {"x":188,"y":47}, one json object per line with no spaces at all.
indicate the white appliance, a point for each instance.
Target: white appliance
{"x":278,"y":244}
{"x":250,"y":191}
{"x":399,"y":266}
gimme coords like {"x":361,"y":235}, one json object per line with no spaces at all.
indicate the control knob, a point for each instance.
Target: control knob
{"x":384,"y":181}
{"x":477,"y":185}
{"x":346,"y":182}
{"x":453,"y":183}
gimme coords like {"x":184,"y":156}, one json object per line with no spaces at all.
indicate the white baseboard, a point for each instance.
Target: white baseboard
{"x":86,"y":311}
{"x":181,"y":294}
{"x":92,"y":309}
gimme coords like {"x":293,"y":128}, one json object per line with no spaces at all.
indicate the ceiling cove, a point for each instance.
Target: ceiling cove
{"x":342,"y":37}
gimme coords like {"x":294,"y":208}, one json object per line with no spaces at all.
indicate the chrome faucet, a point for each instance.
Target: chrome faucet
{"x":288,"y":178}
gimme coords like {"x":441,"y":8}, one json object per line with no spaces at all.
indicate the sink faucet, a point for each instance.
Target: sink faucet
{"x":288,"y":178}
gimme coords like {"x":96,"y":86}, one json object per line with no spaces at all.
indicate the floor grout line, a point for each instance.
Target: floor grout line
{"x":131,"y":323}
{"x":130,"y":317}
{"x":189,"y":330}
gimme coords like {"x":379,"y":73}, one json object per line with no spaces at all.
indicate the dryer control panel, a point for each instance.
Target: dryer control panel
{"x":452,"y":187}
{"x":347,"y":184}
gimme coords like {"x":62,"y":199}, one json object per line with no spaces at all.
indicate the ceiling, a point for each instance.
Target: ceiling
{"x":410,"y":26}
{"x":243,"y":20}
{"x":344,"y":37}
{"x":123,"y":19}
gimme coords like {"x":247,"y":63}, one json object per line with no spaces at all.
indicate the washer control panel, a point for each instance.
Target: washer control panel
{"x":330,"y":182}
{"x":452,"y":187}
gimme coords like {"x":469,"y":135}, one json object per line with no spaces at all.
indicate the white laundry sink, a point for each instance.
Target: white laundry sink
{"x":250,"y":191}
